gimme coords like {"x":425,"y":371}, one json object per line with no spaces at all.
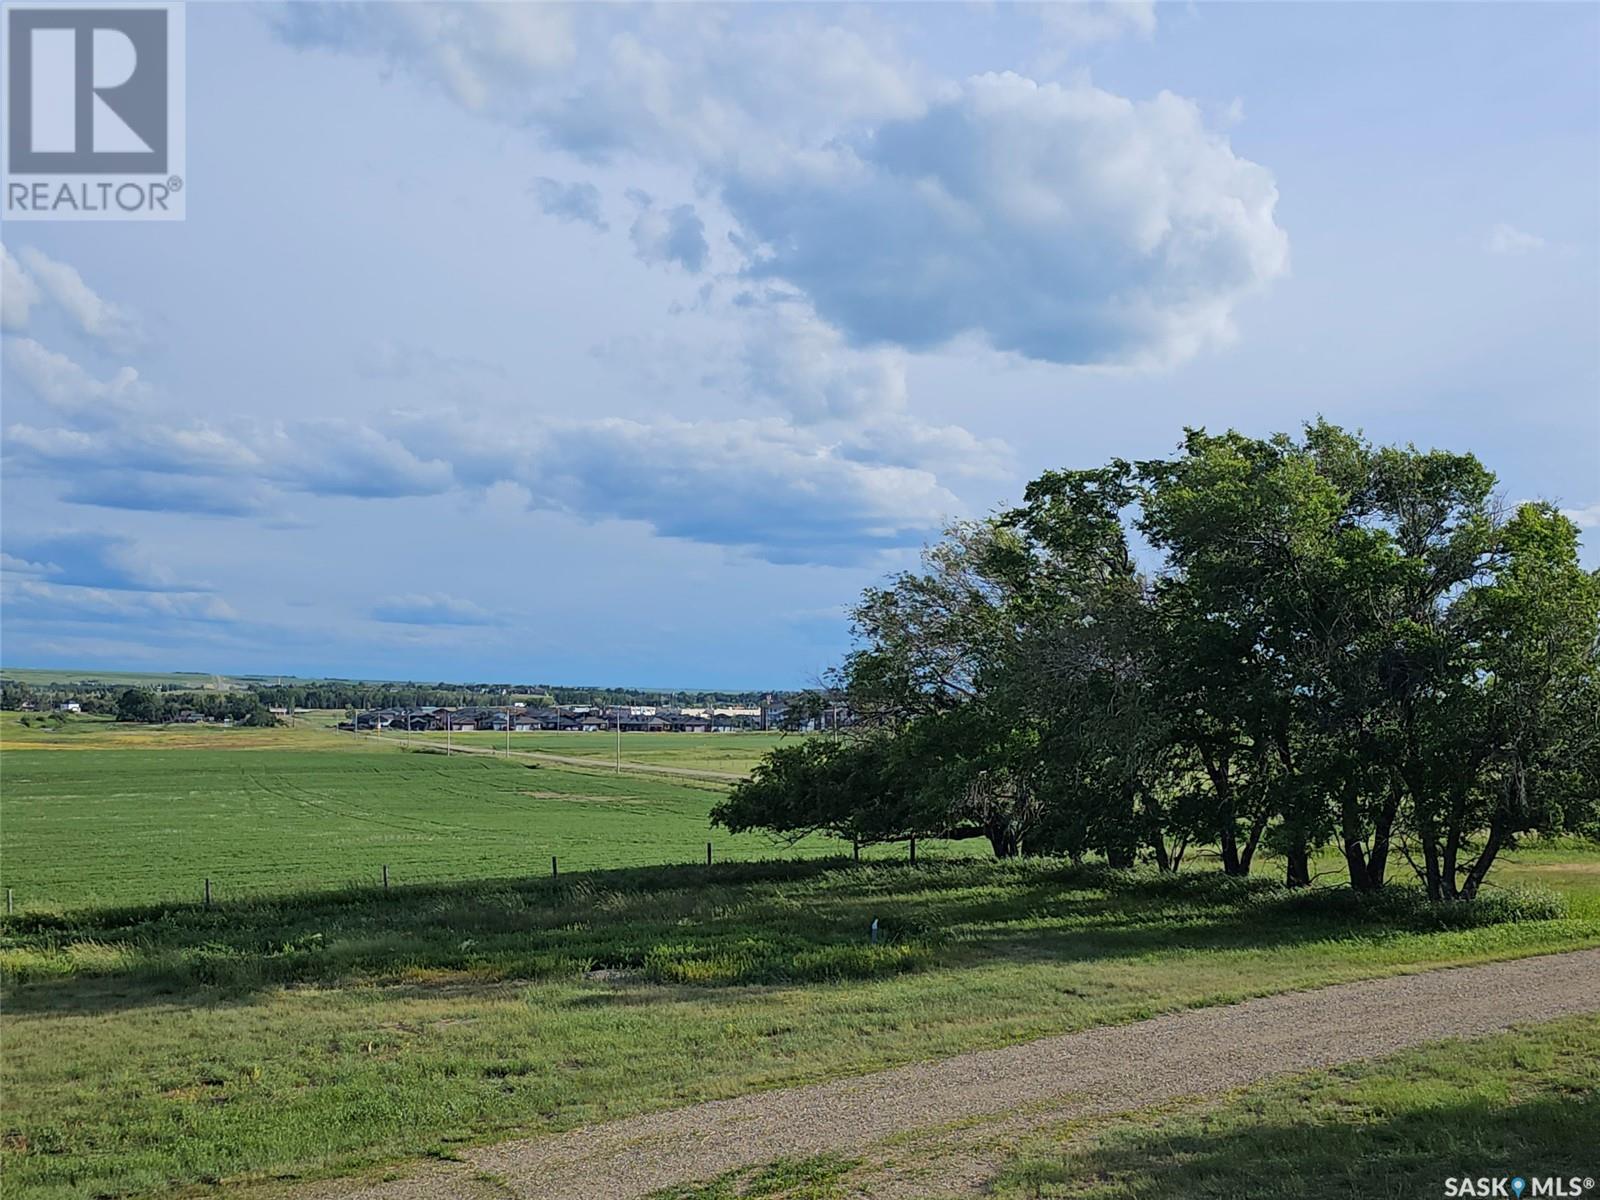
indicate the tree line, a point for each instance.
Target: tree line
{"x":1278,"y":644}
{"x":155,"y":708}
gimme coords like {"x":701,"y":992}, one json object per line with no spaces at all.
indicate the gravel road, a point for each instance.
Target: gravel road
{"x":1098,"y":1071}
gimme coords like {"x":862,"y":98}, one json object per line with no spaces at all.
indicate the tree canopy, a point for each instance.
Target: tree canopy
{"x":1283,"y":643}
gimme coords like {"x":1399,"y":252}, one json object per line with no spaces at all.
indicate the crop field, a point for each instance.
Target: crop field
{"x":101,"y":813}
{"x":730,"y":753}
{"x":198,"y":680}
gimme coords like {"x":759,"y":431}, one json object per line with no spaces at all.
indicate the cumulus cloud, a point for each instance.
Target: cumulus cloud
{"x":85,"y":558}
{"x":34,"y":599}
{"x":665,"y":235}
{"x":1508,"y":239}
{"x":342,"y":458}
{"x":145,"y":445}
{"x":67,"y":387}
{"x":569,"y":201}
{"x":1083,"y":22}
{"x":96,"y":316}
{"x":129,"y":465}
{"x":765,"y":487}
{"x":803,"y":365}
{"x":1059,"y":222}
{"x":695,"y":83}
{"x":79,"y":575}
{"x":143,"y":491}
{"x":1063,"y":223}
{"x":758,"y":485}
{"x":18,"y":293}
{"x":435,"y":609}
{"x":470,"y":50}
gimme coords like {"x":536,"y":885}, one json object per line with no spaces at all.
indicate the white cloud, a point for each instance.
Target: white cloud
{"x":664,"y":235}
{"x":1587,"y":517}
{"x":471,"y":50}
{"x":70,"y":389}
{"x":804,"y":366}
{"x":1084,"y":22}
{"x":1508,"y":239}
{"x":18,"y":293}
{"x":435,"y":609}
{"x":27,"y":598}
{"x":767,"y":487}
{"x":342,"y":458}
{"x":96,"y":316}
{"x":1063,"y":223}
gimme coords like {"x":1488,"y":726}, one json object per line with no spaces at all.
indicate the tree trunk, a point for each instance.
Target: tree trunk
{"x":1297,"y":871}
{"x":1254,"y":840}
{"x":1004,"y":840}
{"x":1355,"y":854}
{"x":1382,"y":835}
{"x":1485,"y":860}
{"x":1222,"y":783}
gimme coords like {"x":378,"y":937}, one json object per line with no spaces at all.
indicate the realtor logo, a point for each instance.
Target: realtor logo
{"x":94,"y":112}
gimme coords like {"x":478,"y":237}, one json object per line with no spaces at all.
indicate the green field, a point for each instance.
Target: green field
{"x":1527,"y":1102}
{"x":100,"y":813}
{"x":311,"y":1023}
{"x":198,"y":680}
{"x":730,"y":753}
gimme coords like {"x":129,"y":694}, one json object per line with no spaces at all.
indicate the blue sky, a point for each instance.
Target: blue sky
{"x":628,"y":344}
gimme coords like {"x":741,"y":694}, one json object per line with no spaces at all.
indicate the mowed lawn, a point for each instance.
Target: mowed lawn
{"x":104,"y":814}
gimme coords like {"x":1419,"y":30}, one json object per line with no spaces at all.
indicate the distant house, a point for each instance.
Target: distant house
{"x":69,"y":706}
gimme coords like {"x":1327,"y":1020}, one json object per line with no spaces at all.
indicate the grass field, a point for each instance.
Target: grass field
{"x":1523,"y":1103}
{"x":327,"y":1032}
{"x":198,"y":680}
{"x":304,"y":1026}
{"x":733,"y":753}
{"x":280,"y":810}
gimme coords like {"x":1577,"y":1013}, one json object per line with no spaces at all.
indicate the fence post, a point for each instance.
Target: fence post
{"x":553,"y":872}
{"x":386,"y":877}
{"x":708,"y":854}
{"x":208,"y":892}
{"x":913,"y":849}
{"x":855,"y":849}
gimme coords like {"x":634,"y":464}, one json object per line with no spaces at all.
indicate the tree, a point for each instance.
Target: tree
{"x":136,"y":704}
{"x":1509,"y":743}
{"x":1341,"y":644}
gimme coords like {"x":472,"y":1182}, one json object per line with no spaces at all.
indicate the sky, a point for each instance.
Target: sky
{"x":626,"y":345}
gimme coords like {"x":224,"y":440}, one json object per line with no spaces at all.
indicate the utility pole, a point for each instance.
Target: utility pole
{"x":619,"y":739}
